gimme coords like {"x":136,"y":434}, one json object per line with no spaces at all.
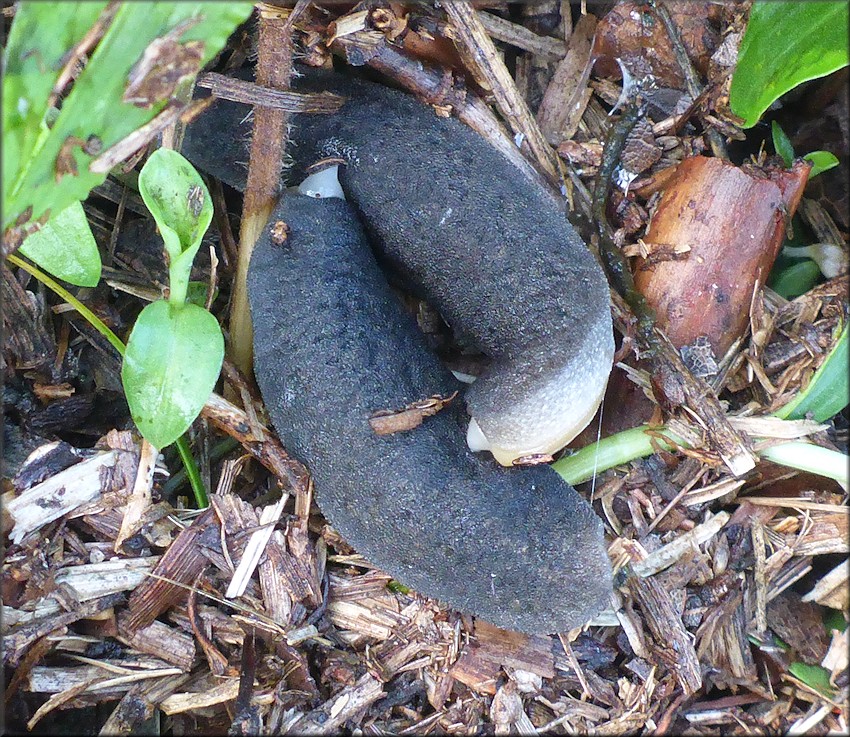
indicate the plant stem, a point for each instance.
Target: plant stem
{"x":116,"y":342}
{"x":268,"y":141}
{"x":50,"y":283}
{"x":217,"y":452}
{"x":629,"y":445}
{"x":201,"y":499}
{"x":811,"y":458}
{"x":614,"y":450}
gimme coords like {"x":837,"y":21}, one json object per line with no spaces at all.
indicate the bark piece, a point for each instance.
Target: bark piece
{"x":634,"y":34}
{"x":492,"y":648}
{"x":568,"y":93}
{"x":182,"y":563}
{"x":733,"y":220}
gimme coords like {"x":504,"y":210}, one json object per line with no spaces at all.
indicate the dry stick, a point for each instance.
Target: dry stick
{"x":715,"y":140}
{"x":249,"y":93}
{"x":669,"y":371}
{"x":266,"y":449}
{"x":522,"y":38}
{"x":274,"y":69}
{"x":75,"y":55}
{"x":482,"y":59}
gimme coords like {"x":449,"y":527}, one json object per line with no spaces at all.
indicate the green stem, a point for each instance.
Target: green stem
{"x":217,"y":452}
{"x":116,"y":342}
{"x":811,"y":458}
{"x":192,"y":472}
{"x":629,"y":445}
{"x":52,"y":284}
{"x":615,"y":450}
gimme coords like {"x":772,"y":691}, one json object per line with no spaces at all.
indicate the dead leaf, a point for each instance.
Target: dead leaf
{"x":387,"y":422}
{"x":164,"y":64}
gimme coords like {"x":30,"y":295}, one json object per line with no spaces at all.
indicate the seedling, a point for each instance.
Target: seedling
{"x":175,"y":351}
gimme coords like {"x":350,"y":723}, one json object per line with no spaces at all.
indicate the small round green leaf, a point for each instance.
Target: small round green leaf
{"x":172,"y":362}
{"x":821,"y":161}
{"x":181,"y":205}
{"x":65,"y":247}
{"x":177,"y":198}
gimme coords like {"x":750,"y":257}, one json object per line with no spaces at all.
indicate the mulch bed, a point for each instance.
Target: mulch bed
{"x":254,"y":615}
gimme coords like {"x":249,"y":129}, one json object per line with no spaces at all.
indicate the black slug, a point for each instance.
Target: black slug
{"x":458,"y":223}
{"x":489,"y":249}
{"x":333,"y":345}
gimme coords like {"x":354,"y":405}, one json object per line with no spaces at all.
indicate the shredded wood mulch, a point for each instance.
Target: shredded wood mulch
{"x":125,"y":611}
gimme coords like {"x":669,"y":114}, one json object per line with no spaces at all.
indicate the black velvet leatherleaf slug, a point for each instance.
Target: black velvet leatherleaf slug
{"x":493,"y":253}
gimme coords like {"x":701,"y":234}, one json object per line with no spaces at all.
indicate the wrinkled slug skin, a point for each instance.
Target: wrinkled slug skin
{"x":489,"y":249}
{"x":332,"y":344}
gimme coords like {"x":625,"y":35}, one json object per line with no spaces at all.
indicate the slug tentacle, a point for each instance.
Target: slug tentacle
{"x":333,"y":345}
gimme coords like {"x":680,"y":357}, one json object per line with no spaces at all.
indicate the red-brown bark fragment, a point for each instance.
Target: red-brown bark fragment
{"x":733,"y":219}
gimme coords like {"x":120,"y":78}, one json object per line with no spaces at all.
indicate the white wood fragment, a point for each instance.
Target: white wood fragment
{"x":838,"y":577}
{"x":805,"y":725}
{"x":254,"y":549}
{"x":180,"y":702}
{"x":91,"y":581}
{"x":773,"y":427}
{"x":666,"y":556}
{"x":140,"y":498}
{"x":58,"y":495}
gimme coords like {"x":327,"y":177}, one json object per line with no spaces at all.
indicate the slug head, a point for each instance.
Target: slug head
{"x":538,"y":401}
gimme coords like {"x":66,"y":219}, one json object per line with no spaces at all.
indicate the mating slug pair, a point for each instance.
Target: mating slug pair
{"x":451,"y":217}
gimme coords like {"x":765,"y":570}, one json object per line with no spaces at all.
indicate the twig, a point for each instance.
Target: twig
{"x":73,"y":57}
{"x":673,"y":382}
{"x":483,"y":60}
{"x":130,"y":144}
{"x":266,"y":449}
{"x":715,"y":140}
{"x":249,"y":93}
{"x":268,"y":142}
{"x":522,"y":38}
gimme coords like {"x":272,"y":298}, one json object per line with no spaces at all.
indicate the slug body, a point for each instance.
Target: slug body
{"x":333,"y":345}
{"x":489,"y":249}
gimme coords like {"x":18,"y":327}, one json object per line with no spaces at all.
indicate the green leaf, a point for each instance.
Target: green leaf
{"x":786,"y":44}
{"x":39,"y":39}
{"x":65,"y":247}
{"x":821,"y":161}
{"x":833,"y":619}
{"x":814,"y":676}
{"x":795,"y":280}
{"x":181,"y":205}
{"x":172,"y":362}
{"x":782,"y":144}
{"x":829,"y":390}
{"x":94,"y":115}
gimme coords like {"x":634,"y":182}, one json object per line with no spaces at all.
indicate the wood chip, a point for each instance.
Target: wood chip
{"x":215,"y":694}
{"x":387,"y":422}
{"x":254,"y":549}
{"x":492,"y":648}
{"x":140,"y":496}
{"x":58,"y":495}
{"x":673,"y":551}
{"x":674,"y":644}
